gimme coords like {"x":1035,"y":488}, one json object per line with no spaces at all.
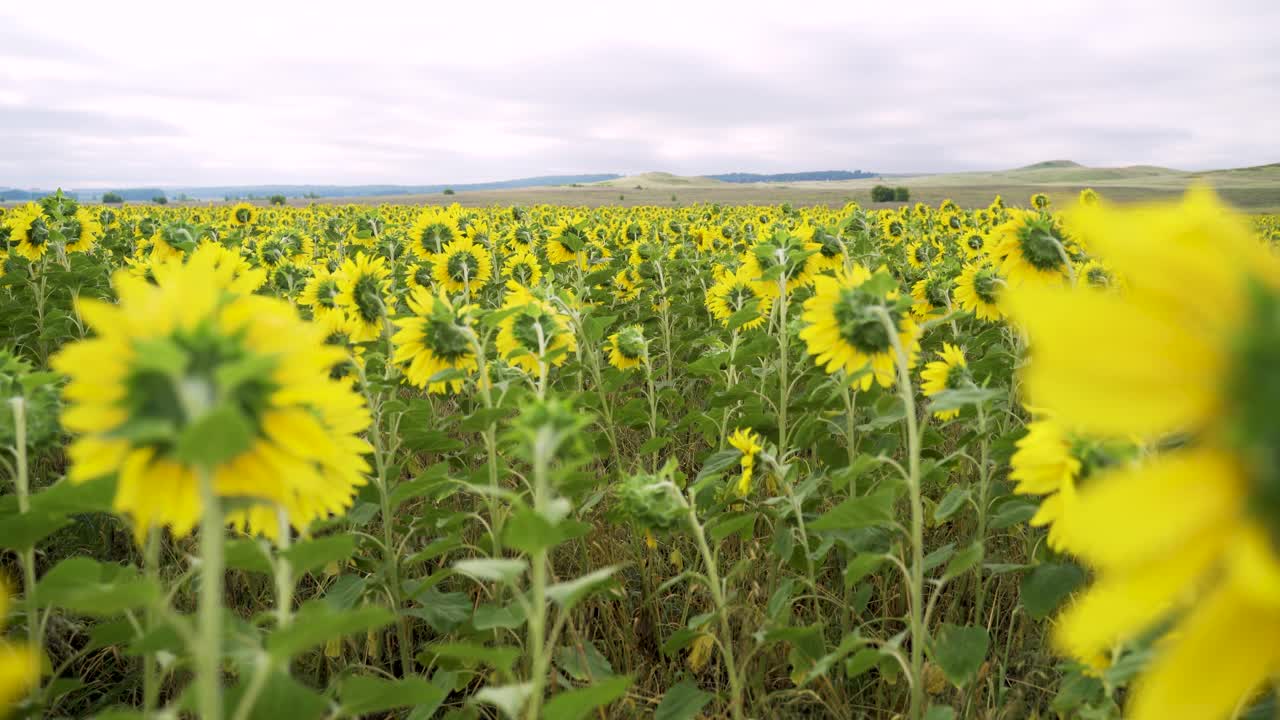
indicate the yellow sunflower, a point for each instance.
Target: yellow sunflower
{"x":844,"y":326}
{"x":948,"y":373}
{"x":82,"y":231}
{"x":1045,"y":464}
{"x":462,"y":266}
{"x":932,"y":296}
{"x":734,"y":292}
{"x":243,"y":215}
{"x":1032,"y":248}
{"x":188,"y":377}
{"x":320,"y":293}
{"x":522,"y":267}
{"x":19,"y":664}
{"x":29,"y":231}
{"x":747,"y":442}
{"x":434,"y":228}
{"x":1190,"y":348}
{"x":363,"y":288}
{"x":535,"y":334}
{"x":436,"y":339}
{"x":978,"y":289}
{"x":627,"y":348}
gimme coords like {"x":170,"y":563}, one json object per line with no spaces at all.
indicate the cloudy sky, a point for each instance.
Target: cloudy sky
{"x":101,"y":94}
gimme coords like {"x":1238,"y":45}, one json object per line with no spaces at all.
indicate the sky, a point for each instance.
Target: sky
{"x":120,"y":94}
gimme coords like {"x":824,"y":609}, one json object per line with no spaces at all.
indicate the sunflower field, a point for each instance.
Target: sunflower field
{"x":706,"y":461}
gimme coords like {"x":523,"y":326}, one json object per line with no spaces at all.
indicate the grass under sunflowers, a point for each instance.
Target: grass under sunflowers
{"x":649,"y":462}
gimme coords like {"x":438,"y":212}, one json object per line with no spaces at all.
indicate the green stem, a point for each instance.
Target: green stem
{"x":22,"y":482}
{"x":284,"y":573}
{"x":984,"y":478}
{"x":538,"y":578}
{"x":918,"y":631}
{"x":150,"y":680}
{"x":209,"y":650}
{"x":784,"y":388}
{"x":722,"y":608}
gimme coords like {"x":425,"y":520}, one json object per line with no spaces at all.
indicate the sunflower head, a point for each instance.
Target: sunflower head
{"x":243,"y":215}
{"x":628,"y":348}
{"x":949,"y":372}
{"x":363,"y":290}
{"x":189,"y":381}
{"x":852,"y":322}
{"x":435,"y":346}
{"x":462,"y":266}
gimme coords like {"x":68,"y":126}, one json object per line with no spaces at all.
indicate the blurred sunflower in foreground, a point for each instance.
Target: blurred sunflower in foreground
{"x":191,"y":387}
{"x":1190,"y":537}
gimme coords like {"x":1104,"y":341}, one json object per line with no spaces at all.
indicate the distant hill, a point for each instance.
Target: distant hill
{"x":1051,"y":165}
{"x":817,"y":175}
{"x":224,"y":192}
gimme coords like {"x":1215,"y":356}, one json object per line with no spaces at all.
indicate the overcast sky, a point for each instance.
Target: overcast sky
{"x":101,"y":94}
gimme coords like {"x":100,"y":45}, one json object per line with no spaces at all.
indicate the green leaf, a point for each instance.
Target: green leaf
{"x":861,"y":566}
{"x":959,"y":650}
{"x":510,"y":699}
{"x":682,"y":702}
{"x":594,"y":327}
{"x":576,"y":704}
{"x":718,"y":463}
{"x":442,"y":611}
{"x":433,"y":482}
{"x":861,"y":662}
{"x":317,"y":622}
{"x":22,"y":531}
{"x":871,"y":510}
{"x":570,"y":593}
{"x":961,"y":397}
{"x":86,"y":586}
{"x":309,"y":555}
{"x":363,"y":694}
{"x":1013,"y":512}
{"x":71,"y":498}
{"x":247,"y":554}
{"x":940,"y":712}
{"x":498,"y":658}
{"x":504,"y":570}
{"x":422,"y":440}
{"x":731,"y":525}
{"x":220,"y":435}
{"x":951,"y":502}
{"x":281,"y":697}
{"x":529,"y":532}
{"x":583,"y":663}
{"x":742,"y":317}
{"x":963,"y":560}
{"x":654,"y":444}
{"x":1045,"y":587}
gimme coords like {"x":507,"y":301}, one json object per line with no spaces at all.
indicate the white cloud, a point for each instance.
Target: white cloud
{"x":142,"y":93}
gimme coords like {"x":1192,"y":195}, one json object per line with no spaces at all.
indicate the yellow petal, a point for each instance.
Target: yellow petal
{"x":1217,"y":659}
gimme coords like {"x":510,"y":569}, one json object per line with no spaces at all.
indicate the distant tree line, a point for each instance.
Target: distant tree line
{"x":884,"y":193}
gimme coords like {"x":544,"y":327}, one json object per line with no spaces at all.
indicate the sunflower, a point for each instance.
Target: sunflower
{"x":978,"y":291}
{"x":320,"y":293}
{"x":19,"y":664}
{"x":363,"y":287}
{"x":1088,"y":197}
{"x":436,"y":339}
{"x":420,"y":275}
{"x":1033,"y":249}
{"x":974,"y":244}
{"x":627,"y":284}
{"x":948,"y":373}
{"x":1190,"y":348}
{"x":798,"y":259}
{"x":627,"y":348}
{"x":243,"y":215}
{"x":1040,"y":201}
{"x":921,"y":254}
{"x":433,"y":229}
{"x":1044,"y":464}
{"x":734,"y":292}
{"x":747,"y":442}
{"x":30,"y":231}
{"x":892,"y":226}
{"x":1095,"y":274}
{"x":523,"y":267}
{"x":932,"y":296}
{"x":188,"y":377}
{"x":462,"y":266}
{"x":82,"y":231}
{"x":535,"y":333}
{"x":565,"y":243}
{"x":845,"y":329}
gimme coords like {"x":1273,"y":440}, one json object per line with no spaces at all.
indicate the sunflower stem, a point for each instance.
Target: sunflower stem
{"x":722,"y":607}
{"x":22,"y":483}
{"x":209,"y":650}
{"x":539,"y":654}
{"x":150,"y":680}
{"x":916,"y":580}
